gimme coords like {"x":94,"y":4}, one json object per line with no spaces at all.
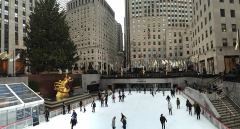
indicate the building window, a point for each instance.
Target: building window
{"x":224,"y":27}
{"x":224,"y":41}
{"x":232,"y":13}
{"x":234,"y":27}
{"x":222,"y":12}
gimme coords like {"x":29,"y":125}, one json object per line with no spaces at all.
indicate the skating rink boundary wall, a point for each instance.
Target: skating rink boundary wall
{"x":19,"y":124}
{"x":205,"y":110}
{"x":59,"y":111}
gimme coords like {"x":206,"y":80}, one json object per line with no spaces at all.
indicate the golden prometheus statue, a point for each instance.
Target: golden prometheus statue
{"x":62,"y":87}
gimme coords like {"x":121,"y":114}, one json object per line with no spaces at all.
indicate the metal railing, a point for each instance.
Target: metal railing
{"x":211,"y":117}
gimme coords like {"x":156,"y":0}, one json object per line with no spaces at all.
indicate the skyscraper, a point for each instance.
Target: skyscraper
{"x":14,"y":17}
{"x":155,"y":29}
{"x":93,"y":29}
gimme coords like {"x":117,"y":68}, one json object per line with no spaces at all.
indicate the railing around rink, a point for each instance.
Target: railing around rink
{"x":19,"y":124}
{"x":59,"y":111}
{"x":214,"y":120}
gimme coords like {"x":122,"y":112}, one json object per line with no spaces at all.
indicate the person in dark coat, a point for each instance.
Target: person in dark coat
{"x":46,"y":114}
{"x":80,"y":105}
{"x":168,"y":98}
{"x":63,"y":108}
{"x":122,"y":117}
{"x":106,"y":100}
{"x":74,"y":114}
{"x":144,"y":90}
{"x":120,"y":97}
{"x":163,"y":120}
{"x":102,"y":102}
{"x":99,"y":95}
{"x":190,"y":108}
{"x":198,"y":111}
{"x":69,"y":108}
{"x":130,"y":92}
{"x":124,"y":122}
{"x":178,"y":103}
{"x":93,"y":106}
{"x":84,"y":109}
{"x":113,"y":98}
{"x":187,"y":104}
{"x":123,"y":96}
{"x":73,"y":122}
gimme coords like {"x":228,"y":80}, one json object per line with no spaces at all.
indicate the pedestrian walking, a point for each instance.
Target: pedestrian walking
{"x":170,"y":108}
{"x":163,"y":120}
{"x":80,"y":105}
{"x":93,"y":106}
{"x":46,"y":114}
{"x":114,"y":122}
{"x":178,"y":103}
{"x":63,"y":108}
{"x":198,"y":111}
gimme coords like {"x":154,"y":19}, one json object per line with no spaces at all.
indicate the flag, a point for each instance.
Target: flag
{"x":237,"y":41}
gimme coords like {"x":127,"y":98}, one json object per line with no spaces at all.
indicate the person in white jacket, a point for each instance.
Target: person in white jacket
{"x":170,"y":108}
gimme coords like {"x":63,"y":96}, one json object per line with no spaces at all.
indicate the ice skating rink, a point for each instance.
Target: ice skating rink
{"x":142,"y":112}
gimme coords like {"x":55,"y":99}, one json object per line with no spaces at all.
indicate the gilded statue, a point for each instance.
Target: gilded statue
{"x":62,"y":87}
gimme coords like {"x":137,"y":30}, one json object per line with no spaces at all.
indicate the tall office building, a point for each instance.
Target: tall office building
{"x":155,"y":29}
{"x":119,"y":37}
{"x":93,"y":29}
{"x":14,"y":17}
{"x":215,"y":25}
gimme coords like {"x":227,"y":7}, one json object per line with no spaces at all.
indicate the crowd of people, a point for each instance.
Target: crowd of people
{"x":103,"y":99}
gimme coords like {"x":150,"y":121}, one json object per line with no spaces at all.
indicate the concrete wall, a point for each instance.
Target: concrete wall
{"x":90,"y":79}
{"x":232,"y":90}
{"x":7,"y":80}
{"x":180,"y":81}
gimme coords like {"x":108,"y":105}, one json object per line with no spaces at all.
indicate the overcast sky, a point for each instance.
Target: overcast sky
{"x":117,"y":6}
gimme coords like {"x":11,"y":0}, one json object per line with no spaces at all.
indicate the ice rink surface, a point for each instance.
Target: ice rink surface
{"x":142,"y":111}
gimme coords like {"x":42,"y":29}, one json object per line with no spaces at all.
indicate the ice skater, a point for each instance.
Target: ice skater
{"x":93,"y":106}
{"x":198,"y":111}
{"x":74,"y":115}
{"x":163,"y":120}
{"x":73,"y":122}
{"x":63,"y":108}
{"x":114,"y":122}
{"x":130,"y":92}
{"x":122,"y":117}
{"x":124,"y":122}
{"x":163,"y":93}
{"x":187,"y":104}
{"x":80,"y":105}
{"x":106,"y":100}
{"x":120,"y":97}
{"x":69,"y":108}
{"x":190,"y":108}
{"x":113,"y":98}
{"x":123,"y":96}
{"x":168,"y":98}
{"x":84,"y":109}
{"x":178,"y":103}
{"x":144,"y":90}
{"x":170,"y":108}
{"x":46,"y":114}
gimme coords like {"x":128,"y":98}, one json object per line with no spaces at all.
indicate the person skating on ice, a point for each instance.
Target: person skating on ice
{"x":113,"y":98}
{"x":163,"y":93}
{"x":123,"y":96}
{"x":170,"y":108}
{"x":190,"y":108}
{"x":80,"y":105}
{"x":74,"y":115}
{"x":144,"y":90}
{"x":93,"y":106}
{"x":84,"y":109}
{"x":163,"y":120}
{"x":130,"y":92}
{"x":178,"y":103}
{"x":122,"y":117}
{"x":187,"y":104}
{"x":120,"y":97}
{"x":106,"y":100}
{"x":73,"y":122}
{"x":198,"y":111}
{"x":114,"y":122}
{"x":168,"y":98}
{"x":102,"y":101}
{"x":124,"y":122}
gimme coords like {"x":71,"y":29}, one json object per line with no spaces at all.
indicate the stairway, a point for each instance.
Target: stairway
{"x":229,"y":113}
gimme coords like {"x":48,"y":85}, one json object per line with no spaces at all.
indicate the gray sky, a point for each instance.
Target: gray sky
{"x":117,"y":6}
